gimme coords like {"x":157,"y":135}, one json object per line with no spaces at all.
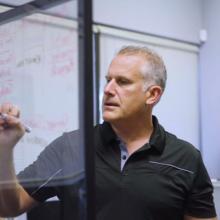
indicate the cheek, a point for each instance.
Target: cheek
{"x":134,"y":97}
{"x":132,"y":104}
{"x":131,"y":95}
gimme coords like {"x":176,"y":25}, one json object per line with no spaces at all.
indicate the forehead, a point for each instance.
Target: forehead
{"x":126,"y":64}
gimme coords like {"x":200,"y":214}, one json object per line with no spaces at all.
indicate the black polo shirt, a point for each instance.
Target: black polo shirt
{"x":164,"y":179}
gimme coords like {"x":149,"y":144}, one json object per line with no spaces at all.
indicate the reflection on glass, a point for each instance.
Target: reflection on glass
{"x":39,"y":73}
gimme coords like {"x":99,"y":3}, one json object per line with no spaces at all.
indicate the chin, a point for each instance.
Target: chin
{"x":109,"y":117}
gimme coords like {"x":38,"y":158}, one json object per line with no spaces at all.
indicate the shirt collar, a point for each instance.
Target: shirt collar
{"x":157,"y":139}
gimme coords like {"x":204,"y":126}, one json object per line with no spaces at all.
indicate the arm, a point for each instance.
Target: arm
{"x":200,"y":202}
{"x":13,"y":198}
{"x":187,"y":217}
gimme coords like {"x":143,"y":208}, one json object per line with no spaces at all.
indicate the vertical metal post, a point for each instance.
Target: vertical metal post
{"x":96,"y":55}
{"x":86,"y":99}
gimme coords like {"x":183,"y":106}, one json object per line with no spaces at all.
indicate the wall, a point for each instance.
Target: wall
{"x":210,"y":95}
{"x":179,"y":19}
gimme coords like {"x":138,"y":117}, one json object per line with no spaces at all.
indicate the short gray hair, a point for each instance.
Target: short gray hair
{"x":155,"y":71}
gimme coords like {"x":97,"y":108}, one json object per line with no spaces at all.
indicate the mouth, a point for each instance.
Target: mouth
{"x":110,"y":104}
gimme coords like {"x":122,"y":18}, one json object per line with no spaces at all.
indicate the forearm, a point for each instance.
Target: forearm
{"x":9,"y":187}
{"x":13,"y":198}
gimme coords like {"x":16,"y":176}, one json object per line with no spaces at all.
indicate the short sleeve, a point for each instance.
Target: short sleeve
{"x":57,"y":165}
{"x":200,"y":202}
{"x":36,"y":177}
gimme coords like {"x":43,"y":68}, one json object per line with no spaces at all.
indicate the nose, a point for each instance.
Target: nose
{"x":110,"y":87}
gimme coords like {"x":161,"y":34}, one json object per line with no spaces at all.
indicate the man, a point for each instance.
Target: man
{"x":142,"y":171}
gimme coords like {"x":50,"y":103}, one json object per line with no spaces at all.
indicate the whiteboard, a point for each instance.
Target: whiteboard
{"x":39,"y":73}
{"x":178,"y":109}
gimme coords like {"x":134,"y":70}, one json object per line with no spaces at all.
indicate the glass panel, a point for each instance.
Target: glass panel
{"x":39,"y":73}
{"x":15,"y":2}
{"x":67,"y":10}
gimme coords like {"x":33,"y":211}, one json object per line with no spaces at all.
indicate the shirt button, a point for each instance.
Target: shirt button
{"x":124,"y":157}
{"x":125,"y":174}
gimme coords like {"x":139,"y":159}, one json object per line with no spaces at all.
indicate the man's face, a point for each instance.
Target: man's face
{"x":124,"y":97}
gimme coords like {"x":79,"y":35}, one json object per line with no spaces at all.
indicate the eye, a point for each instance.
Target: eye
{"x":107,"y":79}
{"x":123,"y":81}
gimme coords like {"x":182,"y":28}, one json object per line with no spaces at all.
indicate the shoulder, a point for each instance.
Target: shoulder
{"x":71,"y":140}
{"x":66,"y":141}
{"x":182,"y":152}
{"x":180,"y":145}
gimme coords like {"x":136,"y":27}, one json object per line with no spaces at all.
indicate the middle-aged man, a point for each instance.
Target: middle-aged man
{"x":142,"y":171}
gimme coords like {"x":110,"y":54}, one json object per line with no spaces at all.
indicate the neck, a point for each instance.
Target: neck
{"x":134,"y":133}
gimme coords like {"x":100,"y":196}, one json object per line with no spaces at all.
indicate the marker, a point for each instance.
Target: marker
{"x":4,"y":116}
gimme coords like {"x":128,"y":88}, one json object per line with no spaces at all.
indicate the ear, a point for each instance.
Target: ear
{"x":153,"y":95}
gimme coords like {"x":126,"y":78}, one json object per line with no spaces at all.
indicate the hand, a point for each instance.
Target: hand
{"x":11,"y":129}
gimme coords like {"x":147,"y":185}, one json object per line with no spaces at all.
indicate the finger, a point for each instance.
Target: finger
{"x":11,"y":121}
{"x":10,"y":109}
{"x":14,"y":111}
{"x":6,"y":107}
{"x":2,"y":120}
